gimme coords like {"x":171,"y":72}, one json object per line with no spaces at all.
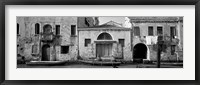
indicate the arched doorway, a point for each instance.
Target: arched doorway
{"x":104,"y":45}
{"x":139,"y":52}
{"x":45,"y":52}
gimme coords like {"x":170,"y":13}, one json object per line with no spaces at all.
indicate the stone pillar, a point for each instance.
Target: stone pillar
{"x":57,"y":52}
{"x":114,"y":50}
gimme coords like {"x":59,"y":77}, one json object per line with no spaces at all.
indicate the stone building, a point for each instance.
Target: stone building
{"x":73,"y":38}
{"x":145,"y":32}
{"x":47,"y":38}
{"x":107,"y":40}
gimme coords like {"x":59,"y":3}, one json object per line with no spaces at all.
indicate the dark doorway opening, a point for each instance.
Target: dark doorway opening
{"x":139,"y":53}
{"x":45,"y":52}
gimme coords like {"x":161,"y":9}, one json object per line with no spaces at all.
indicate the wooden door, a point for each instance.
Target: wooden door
{"x":46,"y":53}
{"x":104,"y":50}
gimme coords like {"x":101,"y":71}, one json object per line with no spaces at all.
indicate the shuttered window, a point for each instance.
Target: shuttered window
{"x":37,"y":28}
{"x":150,"y":30}
{"x":73,"y":30}
{"x":121,"y":41}
{"x":159,"y":30}
{"x":172,"y":32}
{"x":57,"y":29}
{"x":87,"y":41}
{"x":137,"y":31}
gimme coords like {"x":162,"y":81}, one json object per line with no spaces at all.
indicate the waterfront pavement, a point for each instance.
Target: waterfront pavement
{"x":99,"y":66}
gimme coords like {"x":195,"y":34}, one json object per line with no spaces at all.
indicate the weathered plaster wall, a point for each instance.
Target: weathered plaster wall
{"x":67,"y":39}
{"x":152,"y":40}
{"x":28,"y":38}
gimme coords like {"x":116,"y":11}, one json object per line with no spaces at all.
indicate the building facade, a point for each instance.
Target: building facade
{"x":73,"y":38}
{"x":145,"y":32}
{"x":47,"y":38}
{"x":107,"y":40}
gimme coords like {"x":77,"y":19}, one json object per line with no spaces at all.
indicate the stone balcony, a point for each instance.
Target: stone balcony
{"x":47,"y":37}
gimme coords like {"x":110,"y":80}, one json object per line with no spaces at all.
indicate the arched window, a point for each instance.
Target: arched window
{"x":37,"y":28}
{"x":104,"y":36}
{"x":47,"y":29}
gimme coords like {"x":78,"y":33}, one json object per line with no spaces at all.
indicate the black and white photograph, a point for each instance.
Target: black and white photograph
{"x":99,"y":41}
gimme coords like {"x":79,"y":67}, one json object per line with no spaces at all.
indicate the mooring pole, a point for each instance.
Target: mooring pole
{"x":158,"y":56}
{"x":159,"y":49}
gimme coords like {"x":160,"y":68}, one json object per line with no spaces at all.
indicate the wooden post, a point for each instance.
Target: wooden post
{"x":158,"y":56}
{"x":159,"y":49}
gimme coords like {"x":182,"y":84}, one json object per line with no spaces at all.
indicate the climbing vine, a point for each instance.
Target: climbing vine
{"x":167,"y":43}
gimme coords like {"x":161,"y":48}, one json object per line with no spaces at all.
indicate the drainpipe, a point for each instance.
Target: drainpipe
{"x":158,"y":56}
{"x":131,"y":36}
{"x":77,"y":43}
{"x":132,"y":25}
{"x":40,"y":49}
{"x":122,"y":52}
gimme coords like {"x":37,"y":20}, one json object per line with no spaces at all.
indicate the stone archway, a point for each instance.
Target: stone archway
{"x":140,"y":51}
{"x":104,"y":36}
{"x":45,"y":52}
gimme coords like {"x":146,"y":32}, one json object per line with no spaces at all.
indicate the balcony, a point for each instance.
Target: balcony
{"x":174,"y":41}
{"x":47,"y":37}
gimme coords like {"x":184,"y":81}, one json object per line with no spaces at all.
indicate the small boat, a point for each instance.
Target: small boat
{"x":46,"y":62}
{"x":94,"y":62}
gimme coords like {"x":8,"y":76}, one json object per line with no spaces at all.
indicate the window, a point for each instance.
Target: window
{"x":137,"y":31}
{"x":37,"y":28}
{"x":173,"y":49}
{"x":172,"y":32}
{"x":159,"y":31}
{"x":73,"y":30}
{"x":34,"y":48}
{"x":121,"y":41}
{"x":64,"y":49}
{"x":87,"y":41}
{"x":47,"y":29}
{"x":150,"y":30}
{"x":17,"y":28}
{"x":57,"y":29}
